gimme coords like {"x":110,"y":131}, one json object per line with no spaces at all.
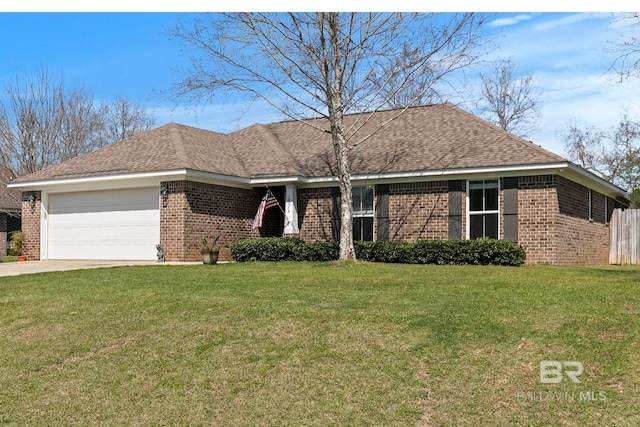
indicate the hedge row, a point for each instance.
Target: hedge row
{"x":283,"y":249}
{"x":455,"y":252}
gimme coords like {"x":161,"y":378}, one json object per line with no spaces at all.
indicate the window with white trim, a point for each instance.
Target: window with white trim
{"x":363,"y":213}
{"x":483,"y":213}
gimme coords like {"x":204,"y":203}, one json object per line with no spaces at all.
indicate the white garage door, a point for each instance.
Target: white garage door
{"x":104,"y":225}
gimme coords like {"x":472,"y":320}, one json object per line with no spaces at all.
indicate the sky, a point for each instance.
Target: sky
{"x":131,"y":54}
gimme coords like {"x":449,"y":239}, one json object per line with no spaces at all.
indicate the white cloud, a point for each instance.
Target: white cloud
{"x":503,"y":22}
{"x":569,"y":20}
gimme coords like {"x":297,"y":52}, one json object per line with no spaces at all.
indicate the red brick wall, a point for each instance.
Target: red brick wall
{"x":581,"y":240}
{"x":314,"y":214}
{"x":538,"y":218}
{"x":419,"y":210}
{"x":554,"y":224}
{"x":416,"y":211}
{"x":195,"y":209}
{"x":31,"y":226}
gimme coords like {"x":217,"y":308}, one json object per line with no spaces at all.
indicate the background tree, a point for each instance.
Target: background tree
{"x":395,"y":89}
{"x":122,"y":119}
{"x":508,"y":101}
{"x":324,"y":65}
{"x":627,"y":47}
{"x":42,"y":123}
{"x":614,"y":154}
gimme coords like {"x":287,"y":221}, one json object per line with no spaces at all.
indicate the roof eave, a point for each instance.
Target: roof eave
{"x":128,"y":180}
{"x":420,"y":175}
{"x":565,"y":169}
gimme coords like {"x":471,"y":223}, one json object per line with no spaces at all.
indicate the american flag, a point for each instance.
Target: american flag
{"x":268,"y":201}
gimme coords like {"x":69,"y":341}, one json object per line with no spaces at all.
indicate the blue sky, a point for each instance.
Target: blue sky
{"x":132,"y":55}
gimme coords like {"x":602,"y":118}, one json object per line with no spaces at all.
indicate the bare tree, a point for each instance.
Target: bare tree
{"x":122,"y":119}
{"x":408,"y":67}
{"x":508,"y":101}
{"x":613,"y":154}
{"x":627,"y":47}
{"x":42,"y":124}
{"x":326,"y":65}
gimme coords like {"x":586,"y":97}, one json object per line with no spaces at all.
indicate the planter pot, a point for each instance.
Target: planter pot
{"x":209,"y":257}
{"x":22,"y":258}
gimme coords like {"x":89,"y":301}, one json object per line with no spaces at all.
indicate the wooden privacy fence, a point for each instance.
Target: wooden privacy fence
{"x":624,"y":230}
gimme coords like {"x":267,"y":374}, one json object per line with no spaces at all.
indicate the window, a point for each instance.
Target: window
{"x":483,"y":200}
{"x":363,"y":213}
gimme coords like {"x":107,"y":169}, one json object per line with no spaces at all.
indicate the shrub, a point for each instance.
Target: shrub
{"x":283,"y":249}
{"x":454,"y":252}
{"x":16,"y":243}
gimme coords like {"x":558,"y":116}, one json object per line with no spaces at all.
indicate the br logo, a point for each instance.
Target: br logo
{"x":551,"y":371}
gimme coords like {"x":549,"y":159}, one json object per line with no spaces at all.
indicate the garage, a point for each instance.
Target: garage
{"x":119,"y":224}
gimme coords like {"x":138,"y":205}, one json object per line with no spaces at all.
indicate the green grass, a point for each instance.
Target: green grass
{"x":9,"y":259}
{"x":318,"y":344}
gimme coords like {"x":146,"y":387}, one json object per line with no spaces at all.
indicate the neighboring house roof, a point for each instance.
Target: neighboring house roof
{"x":10,"y":198}
{"x":427,"y":138}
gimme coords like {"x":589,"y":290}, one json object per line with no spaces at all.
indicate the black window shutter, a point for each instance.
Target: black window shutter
{"x":382,"y":211}
{"x":455,"y":209}
{"x":510,"y":214}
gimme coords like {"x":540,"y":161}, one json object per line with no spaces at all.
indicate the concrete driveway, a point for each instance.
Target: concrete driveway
{"x":30,"y":267}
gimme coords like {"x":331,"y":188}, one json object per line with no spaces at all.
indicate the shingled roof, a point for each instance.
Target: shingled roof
{"x":10,"y":198}
{"x":433,"y":137}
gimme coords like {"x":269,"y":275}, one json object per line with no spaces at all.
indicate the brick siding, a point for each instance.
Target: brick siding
{"x":194,"y":209}
{"x":31,"y":226}
{"x":554,"y":224}
{"x":419,"y":210}
{"x":314,"y":214}
{"x":538,"y":218}
{"x":581,"y":240}
{"x":553,"y":218}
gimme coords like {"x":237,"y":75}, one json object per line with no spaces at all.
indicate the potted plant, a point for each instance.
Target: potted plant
{"x":210,"y":250}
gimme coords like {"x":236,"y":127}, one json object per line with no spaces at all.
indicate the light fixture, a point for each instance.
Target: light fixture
{"x":32,"y":200}
{"x":164,"y":192}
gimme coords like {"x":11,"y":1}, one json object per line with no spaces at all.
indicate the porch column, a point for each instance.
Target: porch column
{"x":291,"y":210}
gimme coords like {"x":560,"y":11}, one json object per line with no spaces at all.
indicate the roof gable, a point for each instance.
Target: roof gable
{"x":168,"y":147}
{"x":433,"y":137}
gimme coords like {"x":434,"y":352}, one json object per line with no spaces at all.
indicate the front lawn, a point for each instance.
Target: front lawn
{"x":319,"y":344}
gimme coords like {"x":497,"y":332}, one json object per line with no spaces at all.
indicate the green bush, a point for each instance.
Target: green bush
{"x":452,"y":252}
{"x":283,"y":249}
{"x":16,"y":243}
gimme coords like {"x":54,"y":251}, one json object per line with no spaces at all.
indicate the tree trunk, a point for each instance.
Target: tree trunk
{"x":347,"y":250}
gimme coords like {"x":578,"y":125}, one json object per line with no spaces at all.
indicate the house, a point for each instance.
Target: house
{"x":10,"y":208}
{"x":433,"y":172}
